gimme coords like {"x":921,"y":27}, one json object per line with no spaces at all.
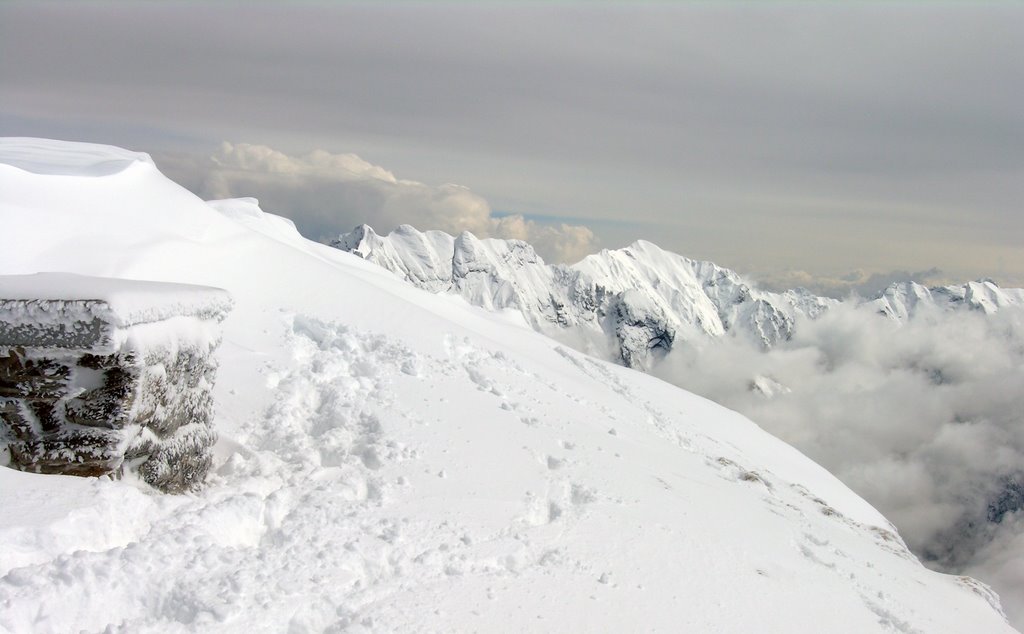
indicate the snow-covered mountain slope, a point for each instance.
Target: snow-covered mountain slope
{"x":629,"y":304}
{"x":392,"y":460}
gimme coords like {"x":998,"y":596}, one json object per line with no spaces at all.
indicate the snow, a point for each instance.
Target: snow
{"x":50,"y":157}
{"x":49,"y":512}
{"x":392,"y":460}
{"x":904,"y":301}
{"x":933,"y":363}
{"x":118,"y":302}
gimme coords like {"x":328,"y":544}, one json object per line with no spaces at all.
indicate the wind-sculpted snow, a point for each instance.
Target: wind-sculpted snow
{"x":55,"y":158}
{"x":392,"y":460}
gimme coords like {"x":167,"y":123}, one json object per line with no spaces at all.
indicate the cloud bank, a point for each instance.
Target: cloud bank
{"x":925,"y":420}
{"x":859,"y":282}
{"x":327,"y":194}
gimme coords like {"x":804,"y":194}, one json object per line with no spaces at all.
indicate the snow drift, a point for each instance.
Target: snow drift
{"x":395,"y":460}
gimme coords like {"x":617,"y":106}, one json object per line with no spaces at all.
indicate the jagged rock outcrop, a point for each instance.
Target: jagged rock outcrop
{"x":98,"y":374}
{"x":642,"y":329}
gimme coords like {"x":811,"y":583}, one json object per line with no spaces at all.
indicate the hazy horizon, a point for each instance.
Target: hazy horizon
{"x":801,"y":144}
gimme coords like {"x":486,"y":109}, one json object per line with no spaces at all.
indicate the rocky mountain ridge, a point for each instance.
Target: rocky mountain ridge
{"x":631,"y":304}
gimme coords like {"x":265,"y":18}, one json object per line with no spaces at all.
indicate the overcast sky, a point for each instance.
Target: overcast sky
{"x":817,"y":140}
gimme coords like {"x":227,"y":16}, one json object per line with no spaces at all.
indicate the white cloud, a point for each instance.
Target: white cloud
{"x":1001,"y":563}
{"x":556,"y":242}
{"x":926,"y":421}
{"x":327,"y":194}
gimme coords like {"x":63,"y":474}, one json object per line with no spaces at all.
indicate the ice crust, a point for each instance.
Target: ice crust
{"x":99,"y":314}
{"x":120,"y":302}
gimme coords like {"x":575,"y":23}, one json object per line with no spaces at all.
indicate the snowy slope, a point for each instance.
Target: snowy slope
{"x":392,"y":460}
{"x":939,"y":365}
{"x":629,"y":304}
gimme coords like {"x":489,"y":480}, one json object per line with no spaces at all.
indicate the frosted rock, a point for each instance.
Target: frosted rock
{"x":100,"y":373}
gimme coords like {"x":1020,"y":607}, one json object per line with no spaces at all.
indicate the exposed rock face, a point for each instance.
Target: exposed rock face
{"x":99,"y":374}
{"x":641,"y":328}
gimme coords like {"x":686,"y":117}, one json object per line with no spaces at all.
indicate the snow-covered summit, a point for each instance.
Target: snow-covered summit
{"x":392,"y":460}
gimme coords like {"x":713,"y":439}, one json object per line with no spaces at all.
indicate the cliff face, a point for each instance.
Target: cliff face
{"x":97,"y":375}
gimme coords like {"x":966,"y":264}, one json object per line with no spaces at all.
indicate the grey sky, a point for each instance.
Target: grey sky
{"x":793,"y":136}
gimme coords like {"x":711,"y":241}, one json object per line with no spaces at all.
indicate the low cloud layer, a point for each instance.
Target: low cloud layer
{"x":860,"y":283}
{"x":925,"y":420}
{"x":327,"y":194}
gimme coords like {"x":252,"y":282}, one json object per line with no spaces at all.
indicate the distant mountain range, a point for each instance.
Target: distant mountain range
{"x":632,"y":304}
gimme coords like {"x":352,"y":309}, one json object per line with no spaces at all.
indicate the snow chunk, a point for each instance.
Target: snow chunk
{"x":122,"y":302}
